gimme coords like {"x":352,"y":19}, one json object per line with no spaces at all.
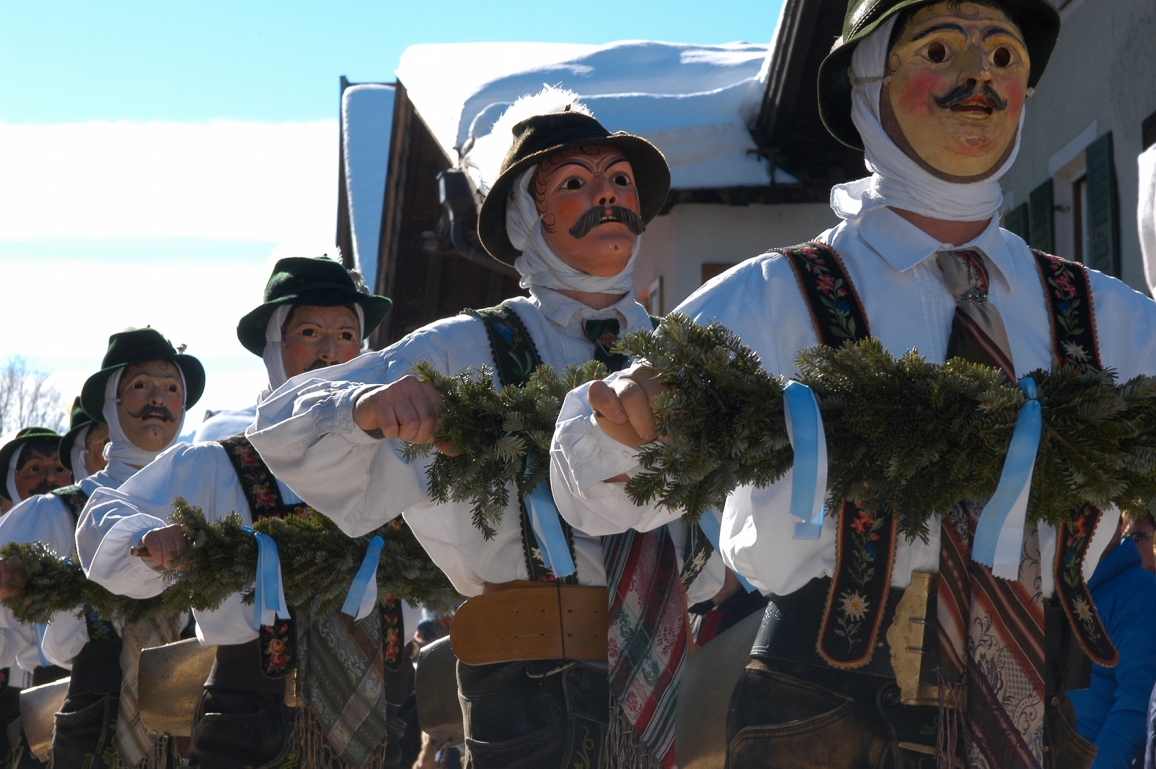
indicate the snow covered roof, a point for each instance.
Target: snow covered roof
{"x":695,"y":102}
{"x":366,"y":123}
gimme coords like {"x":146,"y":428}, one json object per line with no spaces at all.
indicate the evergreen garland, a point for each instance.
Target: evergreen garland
{"x":51,"y":585}
{"x":504,"y":436}
{"x":318,"y":563}
{"x":901,"y":432}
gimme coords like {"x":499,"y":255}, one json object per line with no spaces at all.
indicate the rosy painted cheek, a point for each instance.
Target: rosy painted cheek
{"x":569,"y":211}
{"x":915,"y":93}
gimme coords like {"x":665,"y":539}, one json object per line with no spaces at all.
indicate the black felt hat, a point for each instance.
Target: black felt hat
{"x":8,"y":449}
{"x":139,"y":346}
{"x":320,"y":282}
{"x":538,"y":137}
{"x":1037,"y":19}
{"x":78,"y":421}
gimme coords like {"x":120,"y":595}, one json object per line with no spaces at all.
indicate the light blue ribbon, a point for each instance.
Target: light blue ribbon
{"x":712,"y":527}
{"x":268,"y":594}
{"x":547,"y":527}
{"x":41,"y":630}
{"x":364,"y":588}
{"x":1014,"y":483}
{"x":808,"y":487}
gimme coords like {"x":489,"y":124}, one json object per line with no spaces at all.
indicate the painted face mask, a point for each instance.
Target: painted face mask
{"x":957,"y":81}
{"x":589,"y":207}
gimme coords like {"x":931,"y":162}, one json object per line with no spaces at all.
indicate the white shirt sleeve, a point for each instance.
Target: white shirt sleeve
{"x":306,"y":434}
{"x":44,"y":518}
{"x":115,"y":520}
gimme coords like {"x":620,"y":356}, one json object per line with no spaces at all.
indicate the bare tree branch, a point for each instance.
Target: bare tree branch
{"x":26,"y":400}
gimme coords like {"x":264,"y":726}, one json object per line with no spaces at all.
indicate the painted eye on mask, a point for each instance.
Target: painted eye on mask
{"x":622,"y":180}
{"x":938,"y":53}
{"x":573,"y":184}
{"x":1002,"y":57}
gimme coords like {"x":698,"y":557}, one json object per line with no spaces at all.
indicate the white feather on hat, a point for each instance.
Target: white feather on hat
{"x":484,"y":160}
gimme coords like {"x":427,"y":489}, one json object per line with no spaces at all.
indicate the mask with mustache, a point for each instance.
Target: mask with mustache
{"x":149,"y":410}
{"x":954,"y":89}
{"x":604,"y":215}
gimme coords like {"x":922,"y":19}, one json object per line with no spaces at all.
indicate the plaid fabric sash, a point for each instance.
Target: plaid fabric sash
{"x":647,"y":615}
{"x":341,"y":662}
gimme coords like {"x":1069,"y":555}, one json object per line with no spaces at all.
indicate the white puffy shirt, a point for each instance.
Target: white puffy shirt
{"x":115,"y":520}
{"x":45,"y":518}
{"x":306,"y":433}
{"x":908,"y":308}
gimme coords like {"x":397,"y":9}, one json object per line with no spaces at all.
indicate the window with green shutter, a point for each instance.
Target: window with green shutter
{"x":1103,"y":208}
{"x":1042,"y":220}
{"x":1016,"y":220}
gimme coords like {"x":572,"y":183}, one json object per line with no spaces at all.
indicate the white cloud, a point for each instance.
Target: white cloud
{"x":224,"y":180}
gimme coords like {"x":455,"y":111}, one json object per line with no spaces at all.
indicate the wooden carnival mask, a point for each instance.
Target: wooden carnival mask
{"x":589,"y":206}
{"x":958,"y":76}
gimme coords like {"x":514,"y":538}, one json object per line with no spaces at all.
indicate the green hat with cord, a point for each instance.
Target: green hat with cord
{"x":320,"y":282}
{"x":140,"y":345}
{"x":1037,"y":19}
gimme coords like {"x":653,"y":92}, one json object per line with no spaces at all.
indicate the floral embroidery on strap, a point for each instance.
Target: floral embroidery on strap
{"x":831,"y":296}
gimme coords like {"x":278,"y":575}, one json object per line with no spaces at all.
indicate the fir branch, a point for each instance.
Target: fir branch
{"x":51,"y":585}
{"x":503,"y":435}
{"x":318,"y":563}
{"x":901,"y":432}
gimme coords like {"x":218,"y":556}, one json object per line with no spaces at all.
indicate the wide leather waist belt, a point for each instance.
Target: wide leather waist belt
{"x":790,"y":631}
{"x":531,"y":621}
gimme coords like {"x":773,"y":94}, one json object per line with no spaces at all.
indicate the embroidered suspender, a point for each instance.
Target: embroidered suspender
{"x":1075,"y":343}
{"x":515,"y":358}
{"x":865,"y":544}
{"x":74,"y":500}
{"x":856,"y":602}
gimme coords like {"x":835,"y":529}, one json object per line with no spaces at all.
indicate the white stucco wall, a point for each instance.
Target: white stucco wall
{"x":1104,"y":70}
{"x":677,"y":245}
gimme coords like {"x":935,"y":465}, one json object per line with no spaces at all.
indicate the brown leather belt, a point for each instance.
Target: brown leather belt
{"x":522,"y":620}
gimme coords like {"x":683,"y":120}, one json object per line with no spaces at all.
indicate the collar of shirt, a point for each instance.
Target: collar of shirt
{"x":568,"y":314}
{"x":903,"y":245}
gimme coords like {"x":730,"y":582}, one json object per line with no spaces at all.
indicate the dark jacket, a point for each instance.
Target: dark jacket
{"x":1113,"y":711}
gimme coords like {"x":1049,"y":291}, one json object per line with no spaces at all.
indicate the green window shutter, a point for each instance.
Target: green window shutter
{"x":1016,"y":220}
{"x":1042,"y":217}
{"x":1103,"y":207}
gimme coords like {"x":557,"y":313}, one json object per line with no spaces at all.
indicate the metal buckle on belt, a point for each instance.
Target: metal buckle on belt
{"x":907,"y":638}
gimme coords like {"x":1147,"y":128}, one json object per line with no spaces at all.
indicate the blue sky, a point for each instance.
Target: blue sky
{"x":278,"y":61}
{"x":157,"y":157}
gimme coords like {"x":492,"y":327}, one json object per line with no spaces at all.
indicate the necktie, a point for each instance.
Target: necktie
{"x":990,"y":630}
{"x":603,"y":332}
{"x":647,"y":642}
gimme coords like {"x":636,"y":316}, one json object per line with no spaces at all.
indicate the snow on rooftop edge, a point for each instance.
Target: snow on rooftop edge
{"x":695,"y":102}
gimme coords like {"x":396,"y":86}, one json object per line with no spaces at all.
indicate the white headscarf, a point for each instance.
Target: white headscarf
{"x":11,"y":479}
{"x":274,"y":363}
{"x":76,"y":455}
{"x":538,"y":265}
{"x":120,"y":450}
{"x":897,"y":180}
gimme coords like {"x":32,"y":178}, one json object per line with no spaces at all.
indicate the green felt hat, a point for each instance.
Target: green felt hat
{"x":9,"y":448}
{"x":78,"y":420}
{"x":139,"y":346}
{"x":1037,"y":19}
{"x":320,"y":282}
{"x":535,"y":139}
